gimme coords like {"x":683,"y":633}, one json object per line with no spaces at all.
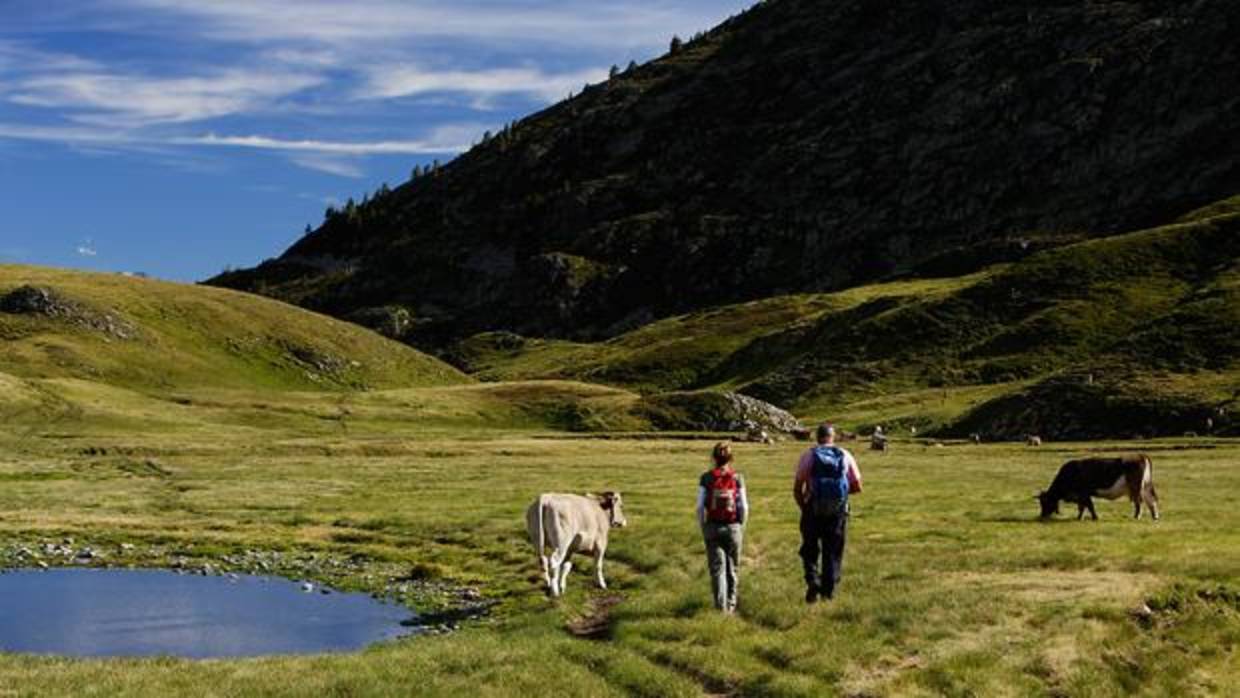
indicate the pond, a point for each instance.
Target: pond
{"x":115,"y":613}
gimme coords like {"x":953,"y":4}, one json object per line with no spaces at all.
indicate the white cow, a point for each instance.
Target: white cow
{"x":569,"y":523}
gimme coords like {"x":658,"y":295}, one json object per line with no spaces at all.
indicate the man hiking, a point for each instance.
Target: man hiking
{"x":722,"y":508}
{"x":826,"y":474}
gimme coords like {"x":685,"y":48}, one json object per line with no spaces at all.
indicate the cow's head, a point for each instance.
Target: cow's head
{"x":611,"y":503}
{"x":1050,"y":504}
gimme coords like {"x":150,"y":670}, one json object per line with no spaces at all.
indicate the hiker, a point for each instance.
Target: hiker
{"x":722,"y":508}
{"x":826,"y":474}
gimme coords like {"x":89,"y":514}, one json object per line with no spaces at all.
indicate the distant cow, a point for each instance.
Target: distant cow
{"x":878,"y":440}
{"x":1080,"y":480}
{"x":1033,"y":440}
{"x":569,"y":523}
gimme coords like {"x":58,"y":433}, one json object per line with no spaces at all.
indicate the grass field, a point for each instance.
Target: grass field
{"x":951,"y":585}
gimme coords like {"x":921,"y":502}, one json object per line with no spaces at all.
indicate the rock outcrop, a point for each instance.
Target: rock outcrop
{"x":48,"y":303}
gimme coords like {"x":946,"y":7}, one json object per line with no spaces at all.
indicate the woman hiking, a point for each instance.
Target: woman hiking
{"x":722,"y":508}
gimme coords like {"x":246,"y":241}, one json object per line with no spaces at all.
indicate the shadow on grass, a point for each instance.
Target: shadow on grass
{"x":1026,"y":519}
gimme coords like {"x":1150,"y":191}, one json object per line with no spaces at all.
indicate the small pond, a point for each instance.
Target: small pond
{"x":114,"y":613}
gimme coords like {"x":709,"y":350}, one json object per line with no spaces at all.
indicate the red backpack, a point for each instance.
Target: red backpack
{"x":721,"y":496}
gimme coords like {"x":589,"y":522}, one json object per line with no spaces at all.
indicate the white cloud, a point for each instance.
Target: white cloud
{"x":331,"y":164}
{"x":362,"y":23}
{"x":421,"y":147}
{"x":130,"y":101}
{"x":408,"y":80}
{"x":87,"y":248}
{"x":441,"y":140}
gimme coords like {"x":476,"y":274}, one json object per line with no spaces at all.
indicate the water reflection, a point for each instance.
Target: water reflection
{"x":104,"y":613}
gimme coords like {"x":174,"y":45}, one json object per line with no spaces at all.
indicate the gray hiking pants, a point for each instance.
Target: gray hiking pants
{"x":723,"y":558}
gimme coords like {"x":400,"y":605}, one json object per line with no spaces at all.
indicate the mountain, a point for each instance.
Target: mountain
{"x":803,"y":146}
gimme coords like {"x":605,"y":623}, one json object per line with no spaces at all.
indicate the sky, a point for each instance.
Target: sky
{"x":178,"y":138}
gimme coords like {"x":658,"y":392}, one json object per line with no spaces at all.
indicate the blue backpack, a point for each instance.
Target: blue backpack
{"x":828,"y":482}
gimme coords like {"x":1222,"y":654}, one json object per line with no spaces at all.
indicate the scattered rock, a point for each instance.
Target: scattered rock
{"x":717,"y":411}
{"x":46,"y":302}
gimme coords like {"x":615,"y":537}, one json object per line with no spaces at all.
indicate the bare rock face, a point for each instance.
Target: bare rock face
{"x":804,"y":145}
{"x":48,"y":303}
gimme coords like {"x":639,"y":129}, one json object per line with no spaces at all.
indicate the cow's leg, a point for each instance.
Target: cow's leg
{"x":1080,"y":510}
{"x":1151,"y":501}
{"x":1089,"y":502}
{"x":545,"y":561}
{"x":554,"y":564}
{"x":564,"y":570}
{"x":598,"y":568}
{"x":1135,"y":486}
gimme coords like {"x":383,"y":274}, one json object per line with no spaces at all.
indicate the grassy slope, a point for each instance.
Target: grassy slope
{"x":682,"y":352}
{"x":1153,"y":315}
{"x":948,"y":589}
{"x":196,"y":336}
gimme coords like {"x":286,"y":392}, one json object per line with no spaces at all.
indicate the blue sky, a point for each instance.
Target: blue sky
{"x":178,"y":137}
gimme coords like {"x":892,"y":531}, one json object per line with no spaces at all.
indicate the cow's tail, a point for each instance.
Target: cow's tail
{"x":540,"y":540}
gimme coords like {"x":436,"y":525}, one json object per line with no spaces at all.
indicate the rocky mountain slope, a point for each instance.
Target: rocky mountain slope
{"x":802,"y":146}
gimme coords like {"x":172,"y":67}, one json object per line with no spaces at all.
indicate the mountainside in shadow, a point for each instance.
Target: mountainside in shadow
{"x":1132,"y":335}
{"x":805,"y":145}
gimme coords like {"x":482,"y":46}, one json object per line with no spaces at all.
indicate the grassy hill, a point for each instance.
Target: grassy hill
{"x":1131,"y":335}
{"x":146,"y":334}
{"x":99,"y":352}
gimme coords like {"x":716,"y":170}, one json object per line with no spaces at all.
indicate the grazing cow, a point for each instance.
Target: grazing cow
{"x":1033,"y":440}
{"x":569,"y":523}
{"x":1112,"y":478}
{"x":878,"y":440}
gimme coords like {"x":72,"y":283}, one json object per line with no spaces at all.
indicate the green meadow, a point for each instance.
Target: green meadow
{"x":952,"y":587}
{"x":218,"y":431}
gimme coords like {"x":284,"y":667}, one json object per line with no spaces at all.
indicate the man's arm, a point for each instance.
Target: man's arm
{"x":701,"y":505}
{"x":854,"y":473}
{"x":800,"y":482}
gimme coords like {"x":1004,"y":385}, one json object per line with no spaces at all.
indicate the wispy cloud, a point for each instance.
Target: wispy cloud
{"x":425,"y":147}
{"x":620,"y":23}
{"x":130,"y":101}
{"x":442,"y":140}
{"x":86,"y":248}
{"x":331,"y":164}
{"x":408,"y":80}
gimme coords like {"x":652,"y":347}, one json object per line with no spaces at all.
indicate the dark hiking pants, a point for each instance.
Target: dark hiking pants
{"x":723,"y":559}
{"x":822,"y":550}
